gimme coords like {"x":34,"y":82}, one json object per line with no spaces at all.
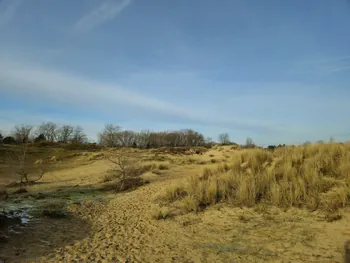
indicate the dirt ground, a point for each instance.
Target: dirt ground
{"x":120,"y":227}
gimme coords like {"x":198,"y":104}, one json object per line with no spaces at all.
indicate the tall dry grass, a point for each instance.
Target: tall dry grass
{"x":314,"y":176}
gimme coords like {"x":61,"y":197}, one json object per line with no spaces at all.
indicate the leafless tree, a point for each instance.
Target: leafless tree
{"x":64,"y":134}
{"x":22,"y":133}
{"x":194,"y":138}
{"x":78,"y":135}
{"x":143,"y":138}
{"x":250,"y":143}
{"x":128,"y":169}
{"x":21,"y":166}
{"x":109,"y":136}
{"x":126,"y":138}
{"x":113,"y":136}
{"x":224,"y":139}
{"x":49,"y":130}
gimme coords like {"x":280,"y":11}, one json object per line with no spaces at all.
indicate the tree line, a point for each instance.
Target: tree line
{"x":111,"y":136}
{"x":47,"y":131}
{"x":114,"y":136}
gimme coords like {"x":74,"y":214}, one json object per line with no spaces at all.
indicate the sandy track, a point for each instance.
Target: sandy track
{"x":125,"y":232}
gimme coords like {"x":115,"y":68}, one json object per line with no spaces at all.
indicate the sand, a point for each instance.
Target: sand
{"x":122,"y":228}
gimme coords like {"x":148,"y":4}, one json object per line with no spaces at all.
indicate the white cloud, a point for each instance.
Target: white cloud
{"x":46,"y":86}
{"x":91,"y":103}
{"x":107,"y":11}
{"x":7,"y":10}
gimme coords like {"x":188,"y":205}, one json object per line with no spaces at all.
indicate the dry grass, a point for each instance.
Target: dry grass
{"x":313,"y":176}
{"x":173,"y":192}
{"x":159,"y":213}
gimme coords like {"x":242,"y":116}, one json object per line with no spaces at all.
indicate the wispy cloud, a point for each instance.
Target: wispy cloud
{"x":75,"y":92}
{"x":105,"y":12}
{"x":341,"y":69}
{"x":323,"y":66}
{"x":7,"y":10}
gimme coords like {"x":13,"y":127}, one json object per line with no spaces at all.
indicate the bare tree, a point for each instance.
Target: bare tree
{"x":109,"y":136}
{"x":193,"y":138}
{"x":78,"y":135}
{"x":128,"y":169}
{"x":250,"y":143}
{"x":142,"y":138}
{"x":224,"y":139}
{"x":49,"y":130}
{"x":22,"y":133}
{"x":126,"y":138}
{"x":113,"y":136}
{"x":21,"y":166}
{"x":64,"y":134}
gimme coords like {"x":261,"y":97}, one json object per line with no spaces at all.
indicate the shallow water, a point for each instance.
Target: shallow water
{"x":13,"y":219}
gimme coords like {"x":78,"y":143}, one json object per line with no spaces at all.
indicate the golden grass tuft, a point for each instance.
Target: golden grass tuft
{"x":313,"y":176}
{"x":173,"y":192}
{"x":160,"y":213}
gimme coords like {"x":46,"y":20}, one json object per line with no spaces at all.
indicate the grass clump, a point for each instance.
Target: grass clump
{"x":312,"y":176}
{"x":161,"y":213}
{"x":174,"y":192}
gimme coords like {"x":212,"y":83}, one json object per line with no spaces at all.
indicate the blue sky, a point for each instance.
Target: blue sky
{"x":277,"y":71}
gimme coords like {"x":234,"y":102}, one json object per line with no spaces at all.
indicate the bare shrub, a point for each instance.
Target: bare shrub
{"x":128,"y":169}
{"x":21,"y":166}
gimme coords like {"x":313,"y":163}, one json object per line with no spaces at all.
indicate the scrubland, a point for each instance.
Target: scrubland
{"x":222,"y":204}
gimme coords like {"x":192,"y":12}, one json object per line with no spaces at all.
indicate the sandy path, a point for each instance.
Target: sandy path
{"x":126,"y":231}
